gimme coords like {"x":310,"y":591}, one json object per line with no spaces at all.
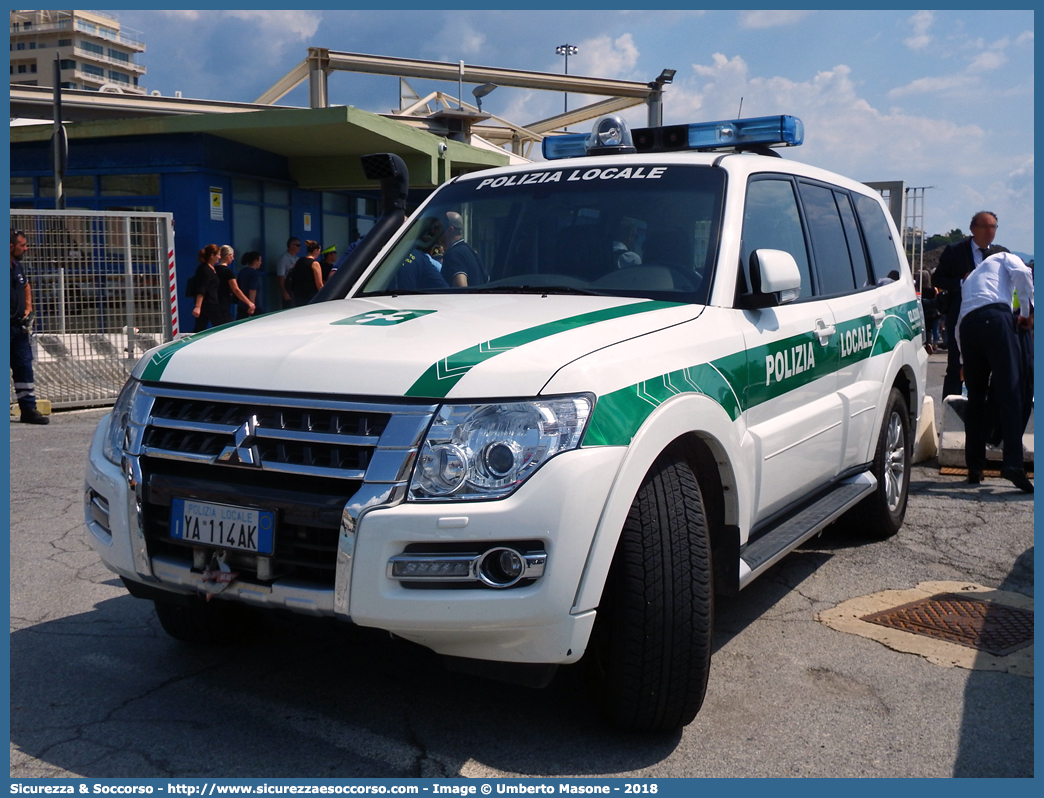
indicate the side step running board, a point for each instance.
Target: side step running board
{"x":767,"y":550}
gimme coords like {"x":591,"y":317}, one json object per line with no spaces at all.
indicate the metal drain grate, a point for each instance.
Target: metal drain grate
{"x":985,"y":626}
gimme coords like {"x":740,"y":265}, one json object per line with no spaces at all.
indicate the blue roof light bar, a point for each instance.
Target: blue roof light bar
{"x":765,"y":130}
{"x":571,"y":145}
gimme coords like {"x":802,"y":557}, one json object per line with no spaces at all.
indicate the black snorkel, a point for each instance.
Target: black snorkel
{"x":391,"y":171}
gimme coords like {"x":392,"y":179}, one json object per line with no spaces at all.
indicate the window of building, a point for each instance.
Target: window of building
{"x":118,"y":56}
{"x":91,"y":69}
{"x":21,"y":68}
{"x":130,"y":185}
{"x":91,"y":47}
{"x":32,"y":68}
{"x":65,"y":42}
{"x":32,"y":45}
{"x":72,"y":186}
{"x":20,"y":46}
{"x":69,"y":85}
{"x":67,"y":63}
{"x":21,"y":187}
{"x":118,"y":77}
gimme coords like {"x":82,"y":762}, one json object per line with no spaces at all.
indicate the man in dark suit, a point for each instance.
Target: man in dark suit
{"x":956,"y":262}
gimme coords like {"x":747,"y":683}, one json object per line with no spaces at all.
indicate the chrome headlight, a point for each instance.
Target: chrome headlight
{"x":486,"y":451}
{"x":118,"y":419}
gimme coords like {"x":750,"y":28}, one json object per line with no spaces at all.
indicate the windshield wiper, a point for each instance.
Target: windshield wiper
{"x":534,"y":289}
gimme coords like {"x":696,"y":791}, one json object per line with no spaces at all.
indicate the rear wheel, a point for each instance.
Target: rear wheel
{"x":651,"y":646}
{"x":882,"y":513}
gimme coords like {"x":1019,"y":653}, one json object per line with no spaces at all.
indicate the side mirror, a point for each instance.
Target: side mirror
{"x":774,"y":279}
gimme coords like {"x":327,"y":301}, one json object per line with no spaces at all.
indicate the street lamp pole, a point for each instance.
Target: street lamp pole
{"x":566,"y":50}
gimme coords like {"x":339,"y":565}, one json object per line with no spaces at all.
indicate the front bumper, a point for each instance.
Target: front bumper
{"x":559,"y":507}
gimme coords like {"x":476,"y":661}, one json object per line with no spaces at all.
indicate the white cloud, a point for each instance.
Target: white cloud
{"x":988,"y":61}
{"x":298,"y":25}
{"x":770,"y":19}
{"x":457,"y":39}
{"x":944,"y":84}
{"x":1025,"y":36}
{"x":605,"y":57}
{"x":920,"y":24}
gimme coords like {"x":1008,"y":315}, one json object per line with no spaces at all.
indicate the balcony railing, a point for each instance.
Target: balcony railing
{"x":130,"y":66}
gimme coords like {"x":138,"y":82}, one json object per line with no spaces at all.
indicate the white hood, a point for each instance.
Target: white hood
{"x":432,"y":346}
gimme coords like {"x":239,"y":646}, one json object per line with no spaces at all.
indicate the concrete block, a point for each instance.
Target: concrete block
{"x":951,"y":439}
{"x":43,"y":405}
{"x":926,"y":439}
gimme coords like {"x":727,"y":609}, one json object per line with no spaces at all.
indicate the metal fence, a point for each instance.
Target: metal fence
{"x":103,"y":290}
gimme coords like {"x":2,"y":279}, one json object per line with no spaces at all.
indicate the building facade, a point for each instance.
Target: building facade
{"x":92,"y":50}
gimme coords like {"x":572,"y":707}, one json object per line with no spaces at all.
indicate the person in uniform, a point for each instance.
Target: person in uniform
{"x":991,"y":355}
{"x":461,"y":265}
{"x":22,"y":316}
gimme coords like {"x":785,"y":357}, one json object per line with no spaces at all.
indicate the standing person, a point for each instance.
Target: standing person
{"x":306,"y":278}
{"x":991,"y":355}
{"x":229,"y":286}
{"x":461,"y":265}
{"x":22,"y":316}
{"x":327,"y":264}
{"x":284,"y":265}
{"x":208,"y":309}
{"x":930,"y":308}
{"x":249,"y":279}
{"x":956,"y":261}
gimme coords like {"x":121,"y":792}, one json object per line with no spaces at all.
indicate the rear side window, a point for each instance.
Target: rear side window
{"x":771,"y":221}
{"x":879,"y":243}
{"x":833,"y":259}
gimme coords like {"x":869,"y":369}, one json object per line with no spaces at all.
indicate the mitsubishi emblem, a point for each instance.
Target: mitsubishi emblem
{"x":244,"y":452}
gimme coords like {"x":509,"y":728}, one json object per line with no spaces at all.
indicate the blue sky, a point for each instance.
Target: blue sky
{"x":935,"y":98}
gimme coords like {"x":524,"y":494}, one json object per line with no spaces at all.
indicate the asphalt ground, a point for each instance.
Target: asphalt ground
{"x":98,"y":690}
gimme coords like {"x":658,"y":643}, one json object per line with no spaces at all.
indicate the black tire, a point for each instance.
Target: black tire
{"x":201,"y":622}
{"x":881,"y":514}
{"x":650,"y":650}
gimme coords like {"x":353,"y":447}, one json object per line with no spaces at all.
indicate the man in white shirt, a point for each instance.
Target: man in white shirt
{"x":284,"y":265}
{"x":990,"y":354}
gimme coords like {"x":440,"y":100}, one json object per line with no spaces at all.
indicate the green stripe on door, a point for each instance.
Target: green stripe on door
{"x":746,"y":379}
{"x":440,"y":377}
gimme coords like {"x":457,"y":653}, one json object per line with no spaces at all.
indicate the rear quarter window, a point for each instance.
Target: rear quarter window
{"x":878,"y":235}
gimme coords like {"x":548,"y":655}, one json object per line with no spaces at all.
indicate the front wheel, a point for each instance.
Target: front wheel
{"x":651,"y":646}
{"x":200,"y":622}
{"x":882,"y":513}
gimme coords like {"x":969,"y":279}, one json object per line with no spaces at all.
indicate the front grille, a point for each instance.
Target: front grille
{"x":304,"y":458}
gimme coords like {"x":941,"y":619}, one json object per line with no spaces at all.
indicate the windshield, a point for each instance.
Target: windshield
{"x":636,"y":230}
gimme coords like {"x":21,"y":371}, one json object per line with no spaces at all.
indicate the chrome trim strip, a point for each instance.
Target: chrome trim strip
{"x":307,"y":436}
{"x":390,"y":465}
{"x":135,"y":520}
{"x":192,"y":426}
{"x":185,"y":457}
{"x":297,"y":402}
{"x":367,"y":498}
{"x":313,"y":471}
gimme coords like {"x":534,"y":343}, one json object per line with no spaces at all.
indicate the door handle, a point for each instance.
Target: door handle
{"x":824,"y":332}
{"x":877,"y":315}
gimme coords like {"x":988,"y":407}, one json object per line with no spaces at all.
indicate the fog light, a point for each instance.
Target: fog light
{"x":422,"y":566}
{"x":501,"y":567}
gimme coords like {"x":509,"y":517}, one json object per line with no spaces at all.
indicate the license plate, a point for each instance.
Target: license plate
{"x":241,"y":528}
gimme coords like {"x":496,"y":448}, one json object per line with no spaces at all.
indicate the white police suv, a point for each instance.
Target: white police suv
{"x":677,"y":357}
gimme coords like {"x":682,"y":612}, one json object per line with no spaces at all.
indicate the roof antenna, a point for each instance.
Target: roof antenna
{"x":739,"y":113}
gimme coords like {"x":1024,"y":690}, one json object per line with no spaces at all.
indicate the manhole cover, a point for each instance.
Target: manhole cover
{"x":983,"y":625}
